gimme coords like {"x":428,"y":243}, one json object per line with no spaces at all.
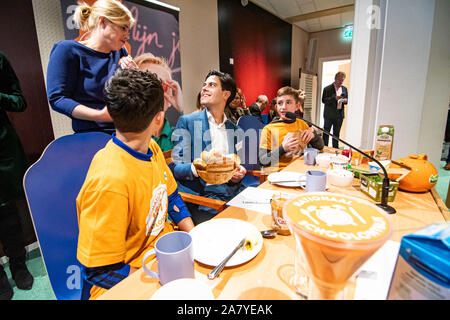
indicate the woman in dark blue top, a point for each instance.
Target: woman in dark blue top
{"x":77,"y":71}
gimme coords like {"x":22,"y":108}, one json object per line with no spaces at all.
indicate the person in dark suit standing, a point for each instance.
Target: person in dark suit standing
{"x":335,"y":97}
{"x":13,"y":164}
{"x":259,"y":105}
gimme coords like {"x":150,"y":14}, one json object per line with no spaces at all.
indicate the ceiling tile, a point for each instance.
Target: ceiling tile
{"x":290,"y":8}
{"x":330,"y":22}
{"x":316,"y":29}
{"x":303,"y":25}
{"x":286,"y":8}
{"x":347,"y":18}
{"x":266,"y":5}
{"x":327,"y":4}
{"x":314,"y":25}
{"x":307,"y":7}
{"x":302,"y":2}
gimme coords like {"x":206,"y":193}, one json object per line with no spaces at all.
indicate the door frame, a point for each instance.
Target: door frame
{"x":319,"y":81}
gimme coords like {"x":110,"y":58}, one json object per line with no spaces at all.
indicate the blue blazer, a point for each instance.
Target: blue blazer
{"x":190,"y":137}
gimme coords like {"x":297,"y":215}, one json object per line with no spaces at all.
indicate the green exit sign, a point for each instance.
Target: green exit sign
{"x":348,"y":32}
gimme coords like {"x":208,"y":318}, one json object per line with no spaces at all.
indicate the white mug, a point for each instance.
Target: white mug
{"x":174,"y":252}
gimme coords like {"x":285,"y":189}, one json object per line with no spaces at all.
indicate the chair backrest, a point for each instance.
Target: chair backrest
{"x":252,"y":127}
{"x":168,"y":156}
{"x":265,"y":118}
{"x":51,"y":187}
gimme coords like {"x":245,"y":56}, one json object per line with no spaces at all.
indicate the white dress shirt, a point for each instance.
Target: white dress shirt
{"x":218,"y":132}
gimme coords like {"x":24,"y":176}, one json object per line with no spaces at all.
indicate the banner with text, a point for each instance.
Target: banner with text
{"x":156,"y":31}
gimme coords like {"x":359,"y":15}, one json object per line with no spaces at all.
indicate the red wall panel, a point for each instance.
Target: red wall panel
{"x":260,"y":45}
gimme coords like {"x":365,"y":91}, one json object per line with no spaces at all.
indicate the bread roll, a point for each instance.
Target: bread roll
{"x":297,"y":134}
{"x":214,"y":161}
{"x":199,"y":164}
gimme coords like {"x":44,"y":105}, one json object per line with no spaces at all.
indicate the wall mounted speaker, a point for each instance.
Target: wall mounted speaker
{"x":312,"y":54}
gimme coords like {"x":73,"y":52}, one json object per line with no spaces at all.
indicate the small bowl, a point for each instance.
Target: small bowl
{"x":339,"y":162}
{"x":340,"y":177}
{"x":323,"y":159}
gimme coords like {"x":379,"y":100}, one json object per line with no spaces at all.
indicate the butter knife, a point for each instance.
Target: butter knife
{"x":218,"y":269}
{"x":401,"y":165}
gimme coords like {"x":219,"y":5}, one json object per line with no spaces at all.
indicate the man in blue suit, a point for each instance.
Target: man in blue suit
{"x":205,"y":130}
{"x":334,"y":96}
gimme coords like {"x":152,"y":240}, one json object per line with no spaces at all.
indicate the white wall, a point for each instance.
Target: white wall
{"x":403,"y":68}
{"x":49,"y":29}
{"x":199,"y":45}
{"x":408,"y":86}
{"x":403,"y":79}
{"x":437,"y":86}
{"x":364,"y":73}
{"x":331,"y":44}
{"x":300,"y":40}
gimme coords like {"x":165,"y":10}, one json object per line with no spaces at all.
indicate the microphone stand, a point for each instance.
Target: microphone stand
{"x":385,"y":187}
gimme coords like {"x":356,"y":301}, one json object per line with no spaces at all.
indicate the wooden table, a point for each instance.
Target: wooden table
{"x":268,"y":275}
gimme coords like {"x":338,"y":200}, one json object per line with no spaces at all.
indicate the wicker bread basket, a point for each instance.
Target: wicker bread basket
{"x":216,"y":177}
{"x":215,"y":168}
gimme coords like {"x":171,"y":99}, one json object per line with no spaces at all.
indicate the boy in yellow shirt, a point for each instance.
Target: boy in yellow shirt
{"x":276,"y":145}
{"x":129,"y":190}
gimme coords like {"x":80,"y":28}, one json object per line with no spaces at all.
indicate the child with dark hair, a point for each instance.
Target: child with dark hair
{"x":129,"y":191}
{"x":203,"y":131}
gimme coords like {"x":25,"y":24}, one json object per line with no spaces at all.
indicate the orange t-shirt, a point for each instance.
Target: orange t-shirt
{"x":273,"y":134}
{"x":122,"y":207}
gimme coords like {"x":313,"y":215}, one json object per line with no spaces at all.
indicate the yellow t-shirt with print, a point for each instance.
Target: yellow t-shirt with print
{"x":122,"y":207}
{"x":273,"y":134}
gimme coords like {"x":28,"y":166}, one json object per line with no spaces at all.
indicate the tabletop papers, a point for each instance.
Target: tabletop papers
{"x":374,"y":276}
{"x":257,"y":199}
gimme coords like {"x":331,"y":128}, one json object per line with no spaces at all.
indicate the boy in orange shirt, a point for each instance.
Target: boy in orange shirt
{"x":277,"y":145}
{"x":129,"y":190}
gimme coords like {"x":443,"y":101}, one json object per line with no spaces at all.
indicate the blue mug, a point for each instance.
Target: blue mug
{"x":174,"y":253}
{"x":309,"y":155}
{"x":316,"y":181}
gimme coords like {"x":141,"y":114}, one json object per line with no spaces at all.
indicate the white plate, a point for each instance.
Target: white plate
{"x":183,"y":289}
{"x":216,"y":238}
{"x":288,"y":175}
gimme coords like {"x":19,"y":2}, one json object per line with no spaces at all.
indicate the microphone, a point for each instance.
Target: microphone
{"x":385,"y":187}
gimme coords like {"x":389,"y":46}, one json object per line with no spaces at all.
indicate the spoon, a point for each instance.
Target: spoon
{"x":269,"y":233}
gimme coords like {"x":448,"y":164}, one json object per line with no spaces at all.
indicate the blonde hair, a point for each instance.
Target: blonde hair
{"x":290,"y":91}
{"x":340,"y":74}
{"x":150,"y":58}
{"x":87,"y":17}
